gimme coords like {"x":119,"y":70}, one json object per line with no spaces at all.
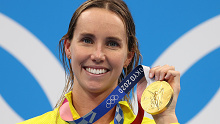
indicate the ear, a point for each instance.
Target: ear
{"x":67,"y":48}
{"x":129,"y":58}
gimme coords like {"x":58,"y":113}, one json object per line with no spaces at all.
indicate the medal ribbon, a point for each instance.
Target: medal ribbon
{"x":117,"y":94}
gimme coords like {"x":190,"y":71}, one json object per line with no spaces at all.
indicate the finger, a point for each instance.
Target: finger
{"x":160,"y":71}
{"x":173,"y":78}
{"x":157,"y":73}
{"x":152,"y":70}
{"x":164,"y":70}
{"x":173,"y":73}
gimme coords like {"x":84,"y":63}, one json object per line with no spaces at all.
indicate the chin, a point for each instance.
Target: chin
{"x":97,"y":89}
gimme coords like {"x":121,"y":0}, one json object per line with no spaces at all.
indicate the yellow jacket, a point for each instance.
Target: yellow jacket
{"x":53,"y":117}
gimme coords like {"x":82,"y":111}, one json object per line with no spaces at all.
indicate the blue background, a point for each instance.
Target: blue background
{"x":158,"y":25}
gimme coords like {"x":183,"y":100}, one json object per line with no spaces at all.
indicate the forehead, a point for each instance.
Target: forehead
{"x":101,"y":12}
{"x":96,"y":19}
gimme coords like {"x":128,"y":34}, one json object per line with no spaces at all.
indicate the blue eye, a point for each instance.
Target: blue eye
{"x":113,"y":44}
{"x":87,"y":40}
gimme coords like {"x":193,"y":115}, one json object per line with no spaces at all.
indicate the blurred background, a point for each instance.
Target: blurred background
{"x":185,"y":34}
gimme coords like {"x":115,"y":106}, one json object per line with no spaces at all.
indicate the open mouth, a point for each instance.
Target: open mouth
{"x":96,"y":71}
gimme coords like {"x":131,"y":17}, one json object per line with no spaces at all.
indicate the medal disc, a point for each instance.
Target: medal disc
{"x":157,"y":97}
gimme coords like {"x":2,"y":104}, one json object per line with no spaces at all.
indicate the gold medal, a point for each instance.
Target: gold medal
{"x":157,"y":97}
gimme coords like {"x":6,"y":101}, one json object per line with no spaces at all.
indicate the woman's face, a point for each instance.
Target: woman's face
{"x":98,"y":50}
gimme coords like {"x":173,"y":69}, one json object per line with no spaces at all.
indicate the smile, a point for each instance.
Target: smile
{"x":96,"y":71}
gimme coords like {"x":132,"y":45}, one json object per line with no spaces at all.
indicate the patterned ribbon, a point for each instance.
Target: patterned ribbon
{"x":119,"y":116}
{"x":118,"y":119}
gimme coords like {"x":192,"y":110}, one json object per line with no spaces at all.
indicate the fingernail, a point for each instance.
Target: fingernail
{"x":156,"y":78}
{"x":166,"y":77}
{"x":151,"y":75}
{"x":161,"y":77}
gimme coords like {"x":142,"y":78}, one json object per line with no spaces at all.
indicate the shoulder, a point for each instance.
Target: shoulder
{"x":51,"y":117}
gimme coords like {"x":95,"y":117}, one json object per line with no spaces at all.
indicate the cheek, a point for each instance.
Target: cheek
{"x":119,"y":59}
{"x":77,"y":56}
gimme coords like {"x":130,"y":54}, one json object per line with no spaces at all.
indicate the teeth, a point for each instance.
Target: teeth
{"x":96,"y":71}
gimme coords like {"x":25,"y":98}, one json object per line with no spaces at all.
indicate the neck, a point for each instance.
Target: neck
{"x":84,"y":102}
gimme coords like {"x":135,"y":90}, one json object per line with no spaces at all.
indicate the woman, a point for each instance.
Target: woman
{"x":98,"y":51}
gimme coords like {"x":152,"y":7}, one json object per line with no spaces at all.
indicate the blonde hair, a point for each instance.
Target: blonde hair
{"x":118,"y":7}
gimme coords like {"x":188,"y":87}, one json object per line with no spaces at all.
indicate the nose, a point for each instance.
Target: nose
{"x":98,"y":55}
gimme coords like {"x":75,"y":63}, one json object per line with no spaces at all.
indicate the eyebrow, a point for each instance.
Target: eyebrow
{"x":87,"y":35}
{"x":93,"y":36}
{"x":114,"y":38}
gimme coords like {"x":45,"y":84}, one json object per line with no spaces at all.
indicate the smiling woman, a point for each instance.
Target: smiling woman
{"x":98,"y":51}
